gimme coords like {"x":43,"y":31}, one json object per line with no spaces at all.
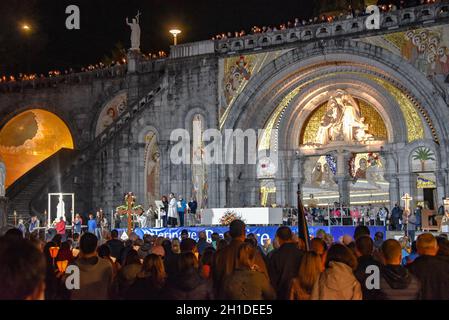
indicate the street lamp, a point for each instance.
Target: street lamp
{"x":26,"y":27}
{"x":175,"y":33}
{"x":27,"y":30}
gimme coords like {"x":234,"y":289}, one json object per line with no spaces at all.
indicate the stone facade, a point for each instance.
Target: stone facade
{"x":165,"y":95}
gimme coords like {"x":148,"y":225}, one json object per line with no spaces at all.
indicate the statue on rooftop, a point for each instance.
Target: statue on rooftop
{"x":135,"y":32}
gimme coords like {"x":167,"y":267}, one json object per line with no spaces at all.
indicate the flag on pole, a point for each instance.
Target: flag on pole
{"x":303,"y":230}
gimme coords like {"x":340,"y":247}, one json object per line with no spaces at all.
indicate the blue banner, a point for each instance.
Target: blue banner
{"x":262,"y":232}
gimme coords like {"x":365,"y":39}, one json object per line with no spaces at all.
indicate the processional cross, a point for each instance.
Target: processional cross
{"x":406,"y":198}
{"x":130,"y":202}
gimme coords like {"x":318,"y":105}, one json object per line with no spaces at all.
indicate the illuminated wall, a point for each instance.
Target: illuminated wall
{"x":29,"y":138}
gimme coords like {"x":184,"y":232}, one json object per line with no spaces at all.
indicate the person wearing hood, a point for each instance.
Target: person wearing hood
{"x":188,"y":284}
{"x":95,"y":272}
{"x":396,"y":282}
{"x":338,"y":282}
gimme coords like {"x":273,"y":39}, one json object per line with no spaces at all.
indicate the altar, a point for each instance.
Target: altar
{"x":251,"y":216}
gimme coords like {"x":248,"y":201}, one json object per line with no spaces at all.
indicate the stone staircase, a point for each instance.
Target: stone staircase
{"x":22,"y":191}
{"x":22,"y":202}
{"x":30,"y":186}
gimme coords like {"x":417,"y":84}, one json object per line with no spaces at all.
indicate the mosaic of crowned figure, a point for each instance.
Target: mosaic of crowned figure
{"x":342,"y":121}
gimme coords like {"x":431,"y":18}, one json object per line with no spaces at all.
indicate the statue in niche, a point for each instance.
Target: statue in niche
{"x":60,"y":209}
{"x":322,"y":176}
{"x":317,"y":175}
{"x":342,"y":121}
{"x":327,"y":176}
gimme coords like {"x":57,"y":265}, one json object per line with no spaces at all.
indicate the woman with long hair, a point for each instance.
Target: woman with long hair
{"x":164,"y":211}
{"x":309,"y":271}
{"x":128,"y":273}
{"x":149,"y":281}
{"x":338,"y":282}
{"x":175,"y":246}
{"x":187,"y":283}
{"x":206,"y":262}
{"x":105,"y":252}
{"x":247,"y":282}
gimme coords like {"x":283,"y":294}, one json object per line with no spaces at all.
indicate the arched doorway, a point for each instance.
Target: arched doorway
{"x":293,"y":91}
{"x":29,"y":138}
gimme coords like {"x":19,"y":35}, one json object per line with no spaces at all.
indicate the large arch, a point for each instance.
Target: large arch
{"x":280,"y":95}
{"x":29,"y":138}
{"x":368,"y":63}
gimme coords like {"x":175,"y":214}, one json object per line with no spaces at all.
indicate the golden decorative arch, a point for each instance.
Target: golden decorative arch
{"x":29,"y":138}
{"x":414,"y":124}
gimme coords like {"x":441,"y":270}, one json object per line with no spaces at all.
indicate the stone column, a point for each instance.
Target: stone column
{"x":393,"y":189}
{"x":165,"y":163}
{"x":342,"y":177}
{"x":441,"y":182}
{"x":222,"y":190}
{"x":390,"y":175}
{"x":132,"y":77}
{"x":298,"y":177}
{"x":407,"y":184}
{"x":3,"y":214}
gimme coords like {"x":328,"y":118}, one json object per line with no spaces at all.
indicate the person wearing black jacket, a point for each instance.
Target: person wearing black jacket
{"x":364,"y":247}
{"x":115,"y":245}
{"x":396,"y":215}
{"x":430,"y":269}
{"x":165,"y":211}
{"x":283,"y":264}
{"x":396,"y":282}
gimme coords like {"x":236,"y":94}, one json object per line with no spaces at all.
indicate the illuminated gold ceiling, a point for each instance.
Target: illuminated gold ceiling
{"x":29,"y":138}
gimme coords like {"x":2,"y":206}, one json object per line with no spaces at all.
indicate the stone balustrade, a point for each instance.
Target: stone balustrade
{"x":356,"y":27}
{"x":392,"y":20}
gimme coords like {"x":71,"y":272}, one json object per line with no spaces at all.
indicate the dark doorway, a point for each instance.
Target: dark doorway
{"x":428,"y":198}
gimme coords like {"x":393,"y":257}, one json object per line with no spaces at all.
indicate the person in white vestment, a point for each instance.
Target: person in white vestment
{"x":172,"y":211}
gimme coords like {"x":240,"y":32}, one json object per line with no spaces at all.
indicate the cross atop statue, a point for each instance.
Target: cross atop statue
{"x":406,"y":198}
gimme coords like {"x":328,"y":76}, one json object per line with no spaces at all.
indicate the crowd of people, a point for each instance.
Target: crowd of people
{"x":90,"y":68}
{"x":349,"y":14}
{"x":395,"y":219}
{"x":231,"y":266}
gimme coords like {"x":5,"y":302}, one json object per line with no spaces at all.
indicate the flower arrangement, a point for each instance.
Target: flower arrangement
{"x":138,"y":209}
{"x":133,"y":198}
{"x":228,"y":217}
{"x":121,"y":209}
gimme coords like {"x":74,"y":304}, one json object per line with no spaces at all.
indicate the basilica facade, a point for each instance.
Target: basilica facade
{"x":353,"y":115}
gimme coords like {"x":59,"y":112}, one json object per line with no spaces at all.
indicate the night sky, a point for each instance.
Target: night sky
{"x":51,"y":46}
